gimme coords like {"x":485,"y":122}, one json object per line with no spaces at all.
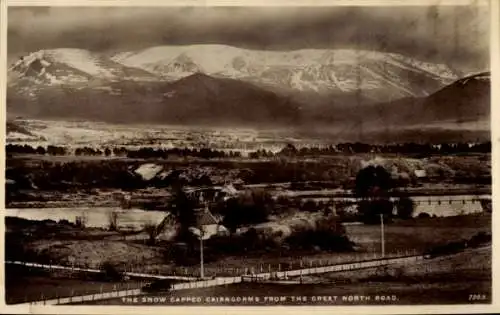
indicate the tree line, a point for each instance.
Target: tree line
{"x":145,"y":152}
{"x":288,"y":151}
{"x":403,"y":148}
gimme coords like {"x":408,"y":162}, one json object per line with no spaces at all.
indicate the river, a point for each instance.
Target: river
{"x":136,"y":218}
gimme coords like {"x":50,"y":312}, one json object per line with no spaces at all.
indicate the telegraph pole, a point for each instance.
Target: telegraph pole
{"x":202,"y":274}
{"x":382,"y":234}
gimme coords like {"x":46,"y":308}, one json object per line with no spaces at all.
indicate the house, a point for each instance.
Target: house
{"x":420,"y":173}
{"x":207,"y":224}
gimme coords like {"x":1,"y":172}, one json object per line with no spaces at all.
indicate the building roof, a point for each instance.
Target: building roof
{"x":420,"y":173}
{"x":205,"y":217}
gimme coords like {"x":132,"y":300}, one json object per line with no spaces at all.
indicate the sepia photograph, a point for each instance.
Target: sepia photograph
{"x":248,"y":155}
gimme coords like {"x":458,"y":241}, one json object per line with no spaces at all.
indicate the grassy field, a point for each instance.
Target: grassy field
{"x":444,"y":280}
{"x":419,"y":234}
{"x":403,"y":236}
{"x":24,"y":285}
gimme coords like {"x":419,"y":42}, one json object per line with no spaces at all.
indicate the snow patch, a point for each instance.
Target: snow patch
{"x":305,"y":69}
{"x":80,"y":59}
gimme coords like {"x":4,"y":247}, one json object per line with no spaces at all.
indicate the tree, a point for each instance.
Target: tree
{"x":310,"y":206}
{"x":183,"y":208}
{"x":372,"y":181}
{"x":372,"y":186}
{"x":252,"y":207}
{"x":329,"y":234}
{"x":113,"y":221}
{"x":289,"y":150}
{"x":405,"y":207}
{"x":152,"y":231}
{"x":40,"y":150}
{"x":370,"y":210}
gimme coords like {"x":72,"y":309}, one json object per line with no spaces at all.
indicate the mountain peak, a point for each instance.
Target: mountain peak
{"x":382,"y":75}
{"x":70,"y":66}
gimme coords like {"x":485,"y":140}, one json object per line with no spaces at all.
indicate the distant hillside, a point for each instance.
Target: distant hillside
{"x":465,"y":100}
{"x":13,"y":127}
{"x":196,"y":99}
{"x":347,"y":93}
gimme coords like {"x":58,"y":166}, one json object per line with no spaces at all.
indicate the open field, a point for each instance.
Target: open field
{"x":63,"y":247}
{"x":25,"y":284}
{"x":470,"y":265}
{"x":445,"y":280}
{"x":105,"y":134}
{"x":419,"y":234}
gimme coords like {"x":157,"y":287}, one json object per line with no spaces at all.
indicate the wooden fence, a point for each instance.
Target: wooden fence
{"x":237,"y":279}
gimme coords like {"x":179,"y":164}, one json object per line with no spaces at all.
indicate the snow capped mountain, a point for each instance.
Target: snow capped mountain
{"x":70,"y":66}
{"x":484,"y":76}
{"x":223,"y":85}
{"x":319,"y":70}
{"x":373,"y":76}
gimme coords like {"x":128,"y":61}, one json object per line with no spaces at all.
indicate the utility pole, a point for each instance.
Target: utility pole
{"x":202,"y":274}
{"x":382,"y":234}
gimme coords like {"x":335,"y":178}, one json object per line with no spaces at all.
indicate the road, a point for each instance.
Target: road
{"x":226,"y":280}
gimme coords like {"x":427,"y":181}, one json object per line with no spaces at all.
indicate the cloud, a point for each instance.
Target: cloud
{"x":455,"y":34}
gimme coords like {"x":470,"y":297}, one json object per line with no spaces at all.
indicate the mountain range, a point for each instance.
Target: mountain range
{"x":223,"y":85}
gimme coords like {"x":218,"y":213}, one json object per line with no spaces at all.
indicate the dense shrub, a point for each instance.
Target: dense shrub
{"x":479,"y":239}
{"x":447,"y":249}
{"x":251,"y":207}
{"x":457,"y":246}
{"x":310,"y":206}
{"x":111,"y":272}
{"x":325,"y":240}
{"x":250,"y":241}
{"x":329,"y":234}
{"x":423,"y":215}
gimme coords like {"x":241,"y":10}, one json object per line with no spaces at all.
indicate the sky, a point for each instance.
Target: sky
{"x":455,"y":35}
